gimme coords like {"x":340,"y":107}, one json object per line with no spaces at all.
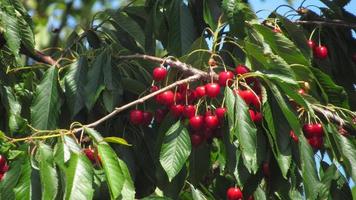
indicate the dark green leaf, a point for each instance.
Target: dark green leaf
{"x":46,"y":105}
{"x":11,"y":33}
{"x":23,"y":189}
{"x":175,"y":149}
{"x":10,"y":180}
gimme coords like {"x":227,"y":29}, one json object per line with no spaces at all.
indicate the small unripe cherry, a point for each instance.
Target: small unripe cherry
{"x":159,"y":73}
{"x":234,"y":193}
{"x":136,"y":117}
{"x":212,"y":90}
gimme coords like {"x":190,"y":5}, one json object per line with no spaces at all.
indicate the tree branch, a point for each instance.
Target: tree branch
{"x":38,"y":56}
{"x":328,"y":23}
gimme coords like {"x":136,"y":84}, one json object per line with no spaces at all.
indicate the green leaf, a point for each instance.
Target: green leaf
{"x":74,"y":82}
{"x":11,"y":33}
{"x":197,"y":56}
{"x":114,"y":174}
{"x":128,"y":189}
{"x":117,"y":140}
{"x":10,"y":180}
{"x":130,"y":26}
{"x":46,"y":105}
{"x":48,"y":172}
{"x":23,"y":189}
{"x":94,"y":80}
{"x":175,"y":149}
{"x":78,"y":178}
{"x":95,"y":135}
{"x":230,"y":106}
{"x":246,"y":133}
{"x":197,"y":194}
{"x":209,"y":6}
{"x":282,"y":46}
{"x":133,"y":86}
{"x":181,"y":32}
{"x":198,"y":163}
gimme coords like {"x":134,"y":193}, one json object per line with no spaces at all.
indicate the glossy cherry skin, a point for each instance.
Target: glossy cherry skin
{"x":225,"y":78}
{"x":136,"y":117}
{"x":189,"y":111}
{"x":311,"y":44}
{"x":234,"y":193}
{"x":313,"y":130}
{"x":90,"y":154}
{"x":166,"y":98}
{"x":200,"y":91}
{"x":211,"y":121}
{"x":196,"y":140}
{"x":249,"y":97}
{"x":196,"y":122}
{"x":159,"y":73}
{"x":178,"y":97}
{"x":316,"y":142}
{"x":321,"y":52}
{"x":220,"y":112}
{"x":147,"y":118}
{"x":241,"y":69}
{"x":212,"y":90}
{"x":293,"y":136}
{"x":177,"y":110}
{"x":258,"y":117}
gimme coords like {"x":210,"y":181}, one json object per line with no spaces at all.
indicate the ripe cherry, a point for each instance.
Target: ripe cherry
{"x":90,"y":154}
{"x":159,"y":73}
{"x":147,"y":118}
{"x":196,"y":122}
{"x":220,"y":112}
{"x":177,"y":110}
{"x":166,"y":98}
{"x":2,"y":160}
{"x":241,"y":69}
{"x":234,"y":193}
{"x":200,"y":91}
{"x":321,"y":52}
{"x":277,"y":30}
{"x":189,"y":111}
{"x":313,"y":130}
{"x":225,"y":78}
{"x":293,"y":136}
{"x":249,"y":97}
{"x":265,"y":169}
{"x":311,"y":44}
{"x":212,"y":90}
{"x":196,"y":140}
{"x":136,"y":117}
{"x":159,"y":115}
{"x":154,"y":88}
{"x":211,"y":121}
{"x":316,"y":142}
{"x":182,"y":88}
{"x":301,"y":92}
{"x":258,"y":117}
{"x":178,"y":97}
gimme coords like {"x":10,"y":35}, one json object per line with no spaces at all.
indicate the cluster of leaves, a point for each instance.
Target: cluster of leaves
{"x":92,"y":80}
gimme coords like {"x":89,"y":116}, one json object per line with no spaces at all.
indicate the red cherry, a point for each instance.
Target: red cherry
{"x":293,"y":136}
{"x":212,"y":90}
{"x":208,"y":133}
{"x":196,"y":140}
{"x":211,"y":121}
{"x":147,"y":118}
{"x":177,"y":110}
{"x":200,"y":91}
{"x":311,"y":44}
{"x":178,"y":97}
{"x":196,"y":122}
{"x":166,"y":98}
{"x":220,"y":112}
{"x":318,"y":130}
{"x":316,"y":142}
{"x":159,"y":115}
{"x":321,"y":52}
{"x":225,"y":78}
{"x":241,"y":69}
{"x":189,"y":111}
{"x":354,"y":57}
{"x":234,"y":193}
{"x":249,"y":97}
{"x":252,"y":114}
{"x":258,"y":117}
{"x":136,"y":117}
{"x":154,"y":88}
{"x":4,"y":168}
{"x":265,"y":169}
{"x":159,"y":73}
{"x":2,"y":160}
{"x":277,"y":30}
{"x":182,"y":88}
{"x":90,"y":154}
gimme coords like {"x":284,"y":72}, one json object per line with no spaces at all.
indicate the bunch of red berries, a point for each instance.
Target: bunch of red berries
{"x":314,"y":133}
{"x":320,"y":51}
{"x":4,"y":167}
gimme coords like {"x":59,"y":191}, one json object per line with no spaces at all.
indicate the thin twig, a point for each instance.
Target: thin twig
{"x":328,"y":23}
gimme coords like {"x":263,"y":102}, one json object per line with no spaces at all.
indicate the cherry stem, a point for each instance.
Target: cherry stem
{"x":312,"y":34}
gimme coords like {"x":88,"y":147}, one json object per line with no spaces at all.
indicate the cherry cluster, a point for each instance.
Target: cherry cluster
{"x":185,"y":102}
{"x":4,"y":167}
{"x":314,"y":133}
{"x":319,"y":51}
